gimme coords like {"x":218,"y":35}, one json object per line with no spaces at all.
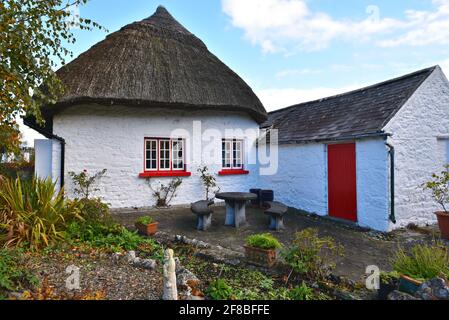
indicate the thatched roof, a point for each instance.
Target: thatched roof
{"x":155,"y":62}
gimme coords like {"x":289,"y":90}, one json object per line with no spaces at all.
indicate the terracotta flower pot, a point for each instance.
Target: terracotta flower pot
{"x":261,"y":257}
{"x":147,"y":230}
{"x":443,"y":223}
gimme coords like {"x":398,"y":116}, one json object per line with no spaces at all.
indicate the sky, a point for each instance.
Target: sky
{"x":291,"y":51}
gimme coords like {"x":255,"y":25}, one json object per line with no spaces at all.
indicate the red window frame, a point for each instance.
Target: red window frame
{"x":233,"y":170}
{"x":158,"y":172}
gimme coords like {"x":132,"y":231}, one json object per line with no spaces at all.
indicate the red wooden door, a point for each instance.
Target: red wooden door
{"x":342,"y":185}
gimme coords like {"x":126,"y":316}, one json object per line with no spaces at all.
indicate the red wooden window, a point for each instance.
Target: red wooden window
{"x":164,"y":157}
{"x":342,"y":184}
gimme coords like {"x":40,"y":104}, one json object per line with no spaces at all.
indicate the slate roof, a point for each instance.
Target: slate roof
{"x":363,"y":112}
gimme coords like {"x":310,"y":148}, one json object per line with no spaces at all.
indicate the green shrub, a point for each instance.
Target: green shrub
{"x":263,"y":241}
{"x":303,"y":292}
{"x":93,"y":211}
{"x":312,"y":255}
{"x":114,"y":238}
{"x":220,"y":290}
{"x":389,"y":277}
{"x":145,"y":220}
{"x":33,"y":214}
{"x":13,"y":275}
{"x":439,"y":186}
{"x":423,"y":262}
{"x":85,"y":183}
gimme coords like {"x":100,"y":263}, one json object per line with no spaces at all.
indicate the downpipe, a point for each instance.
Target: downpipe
{"x":392,"y":191}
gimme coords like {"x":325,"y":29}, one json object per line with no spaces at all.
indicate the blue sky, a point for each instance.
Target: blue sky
{"x":291,"y":51}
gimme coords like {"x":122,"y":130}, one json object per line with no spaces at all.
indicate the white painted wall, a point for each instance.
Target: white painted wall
{"x":113,"y":138}
{"x":301,"y":181}
{"x":373,"y":192}
{"x":43,"y":158}
{"x":416,"y":129}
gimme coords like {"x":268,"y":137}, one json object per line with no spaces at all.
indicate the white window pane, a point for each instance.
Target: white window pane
{"x":150,"y":154}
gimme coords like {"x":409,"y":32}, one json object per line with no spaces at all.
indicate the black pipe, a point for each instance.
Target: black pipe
{"x":392,"y":202}
{"x":61,"y":174}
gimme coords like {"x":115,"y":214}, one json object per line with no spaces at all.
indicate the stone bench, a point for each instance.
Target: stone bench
{"x":276,"y":211}
{"x":204,"y":212}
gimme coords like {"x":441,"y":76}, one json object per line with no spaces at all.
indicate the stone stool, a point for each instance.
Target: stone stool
{"x":204,"y":213}
{"x":276,"y":211}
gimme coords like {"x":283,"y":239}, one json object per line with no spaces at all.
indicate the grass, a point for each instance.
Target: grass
{"x":423,"y":262}
{"x":264,"y":241}
{"x":221,"y":281}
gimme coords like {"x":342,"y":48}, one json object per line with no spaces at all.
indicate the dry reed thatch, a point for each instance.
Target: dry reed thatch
{"x":155,"y":63}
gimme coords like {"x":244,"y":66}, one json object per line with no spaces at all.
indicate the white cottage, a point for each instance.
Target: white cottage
{"x":363,"y":156}
{"x":150,"y":101}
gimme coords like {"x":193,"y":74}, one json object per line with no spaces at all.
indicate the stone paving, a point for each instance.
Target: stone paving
{"x":362,"y":247}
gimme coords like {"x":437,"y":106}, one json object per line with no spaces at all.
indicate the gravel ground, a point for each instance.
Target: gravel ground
{"x":99,"y":272}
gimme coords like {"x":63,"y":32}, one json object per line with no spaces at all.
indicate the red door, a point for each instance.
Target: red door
{"x":342,"y":185}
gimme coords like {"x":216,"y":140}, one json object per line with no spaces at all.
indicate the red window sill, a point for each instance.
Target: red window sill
{"x":232,"y":172}
{"x":151,"y":174}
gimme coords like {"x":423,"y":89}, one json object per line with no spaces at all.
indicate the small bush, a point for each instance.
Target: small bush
{"x":13,"y":275}
{"x":389,"y":277}
{"x":93,"y":211}
{"x":145,"y":220}
{"x":424,"y":262}
{"x":114,"y":238}
{"x":311,"y":255}
{"x":220,"y":290}
{"x":164,"y":194}
{"x":33,"y":214}
{"x":303,"y":292}
{"x":85,"y":183}
{"x":264,"y":241}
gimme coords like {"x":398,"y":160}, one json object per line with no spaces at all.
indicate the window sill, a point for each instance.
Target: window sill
{"x":232,"y":172}
{"x":151,"y":174}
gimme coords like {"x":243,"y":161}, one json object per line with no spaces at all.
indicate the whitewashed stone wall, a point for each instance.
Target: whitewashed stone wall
{"x":301,"y":181}
{"x":373,"y":191}
{"x":416,"y":130}
{"x":113,"y":138}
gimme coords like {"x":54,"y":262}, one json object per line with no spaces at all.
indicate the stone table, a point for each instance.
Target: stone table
{"x":235,"y":206}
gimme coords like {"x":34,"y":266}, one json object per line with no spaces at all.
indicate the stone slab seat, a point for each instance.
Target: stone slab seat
{"x":204,"y":212}
{"x":276,"y":211}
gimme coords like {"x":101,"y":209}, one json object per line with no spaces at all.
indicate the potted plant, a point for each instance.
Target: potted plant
{"x":439,"y":186}
{"x":209,"y":182}
{"x":146,"y":226}
{"x":261,"y":250}
{"x":422,"y":263}
{"x":389,"y":281}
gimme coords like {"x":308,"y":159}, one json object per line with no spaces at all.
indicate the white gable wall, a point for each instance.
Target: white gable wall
{"x":113,"y":138}
{"x":416,"y":130}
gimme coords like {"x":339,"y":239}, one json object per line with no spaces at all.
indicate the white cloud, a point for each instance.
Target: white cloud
{"x":297,"y":72}
{"x":274,"y":99}
{"x":290,"y":25}
{"x":445,"y":66}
